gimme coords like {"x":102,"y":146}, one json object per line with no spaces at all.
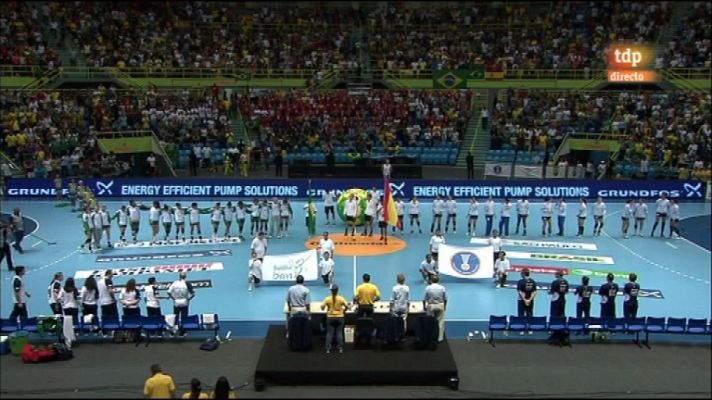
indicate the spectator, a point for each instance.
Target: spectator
{"x":222,"y":389}
{"x":159,"y":385}
{"x":196,"y":391}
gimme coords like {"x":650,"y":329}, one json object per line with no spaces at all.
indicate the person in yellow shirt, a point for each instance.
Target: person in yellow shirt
{"x":336,"y":307}
{"x":159,"y":385}
{"x":366,"y":294}
{"x":196,"y":391}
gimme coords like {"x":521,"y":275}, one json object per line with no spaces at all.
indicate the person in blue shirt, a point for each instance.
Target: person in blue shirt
{"x":558,"y":290}
{"x":608,"y":292}
{"x":630,"y":297}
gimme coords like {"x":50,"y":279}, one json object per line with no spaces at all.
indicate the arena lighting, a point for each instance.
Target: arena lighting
{"x":630,"y":63}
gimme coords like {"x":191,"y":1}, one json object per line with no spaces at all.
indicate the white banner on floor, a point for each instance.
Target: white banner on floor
{"x":170,"y":243}
{"x":153,"y":269}
{"x":286,"y":267}
{"x":589,"y":259}
{"x":540,"y":244}
{"x":466,"y":262}
{"x":502,"y":170}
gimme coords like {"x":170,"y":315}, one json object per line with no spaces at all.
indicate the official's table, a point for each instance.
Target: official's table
{"x":381,"y":309}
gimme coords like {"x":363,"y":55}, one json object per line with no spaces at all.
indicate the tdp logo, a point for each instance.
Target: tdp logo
{"x":628,"y":57}
{"x":102,"y":187}
{"x":397,"y":190}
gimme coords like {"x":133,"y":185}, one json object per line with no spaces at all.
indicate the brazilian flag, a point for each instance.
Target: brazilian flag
{"x":450,"y":79}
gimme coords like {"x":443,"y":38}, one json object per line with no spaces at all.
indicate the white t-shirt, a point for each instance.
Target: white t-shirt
{"x":259,"y":247}
{"x":194,"y":214}
{"x":435,"y":243}
{"x":451,"y":206}
{"x":326,"y":245}
{"x":662,"y":206}
{"x":153,"y":214}
{"x":151,"y":293}
{"x":582,"y":210}
{"x":474,"y":209}
{"x":502,"y":266}
{"x":641,"y":210}
{"x":326,"y":266}
{"x":255,"y":268}
{"x":506,"y":210}
{"x":547,"y":209}
{"x":496,"y":243}
{"x":489,"y":207}
{"x":329,"y":198}
{"x":438,"y":206}
{"x":179,"y":215}
{"x":180,"y":293}
{"x":106,"y":296}
{"x":523,"y":207}
{"x":561,"y":209}
{"x":414,"y":207}
{"x":599,"y":209}
{"x":351,"y":208}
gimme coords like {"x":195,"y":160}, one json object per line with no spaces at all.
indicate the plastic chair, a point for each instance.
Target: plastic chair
{"x":616,"y":324}
{"x":8,"y":326}
{"x":558,"y":323}
{"x":496,"y":323}
{"x":635,"y":325}
{"x":697,"y":325}
{"x":653,"y":325}
{"x":517,"y":323}
{"x":190,"y":323}
{"x":29,"y":325}
{"x":537,"y":324}
{"x":676,"y":325}
{"x":152,"y":324}
{"x":110,"y":323}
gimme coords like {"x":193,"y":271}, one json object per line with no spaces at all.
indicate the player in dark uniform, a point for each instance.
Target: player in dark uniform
{"x":630,"y":297}
{"x":583,"y":299}
{"x":608,"y":292}
{"x":558,"y":290}
{"x":526,"y":290}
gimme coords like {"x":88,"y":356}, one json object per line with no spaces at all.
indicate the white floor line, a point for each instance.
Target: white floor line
{"x":647,"y":260}
{"x":36,"y":244}
{"x":59,"y":260}
{"x":691,"y":242}
{"x":671,"y":245}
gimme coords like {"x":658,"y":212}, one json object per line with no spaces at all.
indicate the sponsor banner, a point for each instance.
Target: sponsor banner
{"x":153,"y":269}
{"x":560,"y":257}
{"x":466,"y":262}
{"x":165,"y":256}
{"x":426,"y":189}
{"x":503,"y":170}
{"x":538,"y":269}
{"x":286,"y":267}
{"x":642,"y":293}
{"x":540,"y":244}
{"x":197,"y":284}
{"x":528,"y":171}
{"x":172,"y":243}
{"x":600,"y":274}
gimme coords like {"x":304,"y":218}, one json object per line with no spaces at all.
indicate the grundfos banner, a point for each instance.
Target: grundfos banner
{"x":426,"y":189}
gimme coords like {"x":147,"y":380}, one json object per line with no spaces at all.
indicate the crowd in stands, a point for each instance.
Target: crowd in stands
{"x":22,"y":37}
{"x":292,"y":119}
{"x":690,"y":45}
{"x":558,"y":35}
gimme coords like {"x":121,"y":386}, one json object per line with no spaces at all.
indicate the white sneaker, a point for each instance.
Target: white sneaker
{"x":521,"y":333}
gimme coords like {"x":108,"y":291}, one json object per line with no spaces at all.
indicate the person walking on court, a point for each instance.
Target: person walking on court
{"x":630,"y":297}
{"x":254,"y":276}
{"x":365,"y":296}
{"x":400,"y":300}
{"x":526,"y":290}
{"x":18,"y":227}
{"x":5,"y":252}
{"x":336,"y":307}
{"x":435,"y":303}
{"x":608,"y":292}
{"x":326,"y":266}
{"x":20,"y":295}
{"x":581,"y":216}
{"x":662,"y":208}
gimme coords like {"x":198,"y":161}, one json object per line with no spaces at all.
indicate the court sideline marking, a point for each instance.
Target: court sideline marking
{"x":691,"y":242}
{"x":694,"y":278}
{"x":59,"y":260}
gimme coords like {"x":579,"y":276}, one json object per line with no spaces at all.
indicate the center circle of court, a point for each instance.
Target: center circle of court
{"x":345,"y":245}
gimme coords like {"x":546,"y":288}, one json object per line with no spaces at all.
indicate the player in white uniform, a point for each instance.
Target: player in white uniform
{"x":438,"y":208}
{"x":451,"y":209}
{"x":400,"y":211}
{"x":581,"y":215}
{"x":194,"y":218}
{"x":435,"y":241}
{"x":626,"y":215}
{"x":228,"y":214}
{"x":674,"y":219}
{"x":496,"y":242}
{"x":285,"y":214}
{"x":522,"y":215}
{"x":662,"y":208}
{"x":254,"y":211}
{"x":641,"y":213}
{"x":122,"y":216}
{"x":351,"y":212}
{"x":106,"y":225}
{"x":154,"y":216}
{"x":134,"y":219}
{"x":547,"y":209}
{"x":414,"y":213}
{"x":369,"y":215}
{"x":504,"y":215}
{"x":254,"y":277}
{"x":274,"y":218}
{"x":179,"y":218}
{"x":561,"y":215}
{"x":167,"y":221}
{"x":96,"y":227}
{"x":326,"y":266}
{"x":265,"y":210}
{"x":240,"y":216}
{"x":329,"y":202}
{"x":472,"y":214}
{"x":501,"y":266}
{"x":215,"y":216}
{"x":326,"y":244}
{"x":489,"y":215}
{"x":599,"y":212}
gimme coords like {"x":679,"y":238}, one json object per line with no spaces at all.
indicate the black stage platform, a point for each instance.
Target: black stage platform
{"x":377,"y":365}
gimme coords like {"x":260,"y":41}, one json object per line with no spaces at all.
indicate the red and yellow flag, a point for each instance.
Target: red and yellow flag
{"x":390,"y":213}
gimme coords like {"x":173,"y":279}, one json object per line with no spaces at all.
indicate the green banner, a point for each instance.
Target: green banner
{"x":450,"y":79}
{"x":594,"y":145}
{"x":477,"y":72}
{"x":598,"y":273}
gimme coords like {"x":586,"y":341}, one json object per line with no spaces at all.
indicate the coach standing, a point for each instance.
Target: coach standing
{"x":526,"y":291}
{"x":18,"y":226}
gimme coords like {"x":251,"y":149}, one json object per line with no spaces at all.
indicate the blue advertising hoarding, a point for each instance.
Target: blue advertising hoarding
{"x":422,"y":188}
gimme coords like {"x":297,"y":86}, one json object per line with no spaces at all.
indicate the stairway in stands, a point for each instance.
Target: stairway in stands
{"x":476,"y":139}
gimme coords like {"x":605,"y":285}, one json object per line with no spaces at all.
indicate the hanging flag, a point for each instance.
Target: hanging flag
{"x":390,"y":213}
{"x":311,"y":213}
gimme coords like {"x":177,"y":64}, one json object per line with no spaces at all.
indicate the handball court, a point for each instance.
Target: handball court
{"x":674,"y":274}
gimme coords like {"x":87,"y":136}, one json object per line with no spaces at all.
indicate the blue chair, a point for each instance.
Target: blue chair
{"x":616,"y":325}
{"x":517,"y":323}
{"x":697,"y":325}
{"x":190,"y":323}
{"x":558,"y":324}
{"x":537,"y":324}
{"x":635,"y":325}
{"x":110,"y":323}
{"x":496,"y":323}
{"x":152,"y":325}
{"x":132,"y":323}
{"x":676,"y":325}
{"x":653,"y":325}
{"x":596,"y":324}
{"x":29,"y":325}
{"x":91,"y":326}
{"x":8,"y":326}
{"x":210,"y":326}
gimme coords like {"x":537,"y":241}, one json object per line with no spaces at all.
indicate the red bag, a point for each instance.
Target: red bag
{"x":32,"y":354}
